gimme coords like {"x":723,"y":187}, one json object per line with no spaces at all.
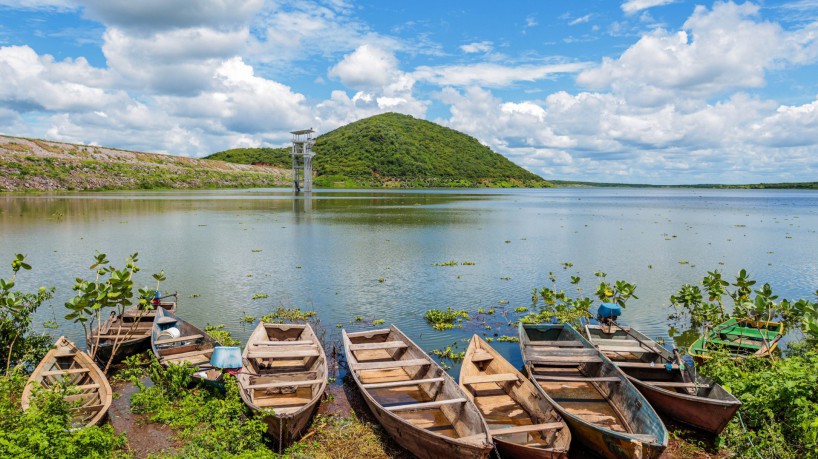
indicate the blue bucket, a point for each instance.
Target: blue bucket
{"x":609,"y":310}
{"x":226,"y":357}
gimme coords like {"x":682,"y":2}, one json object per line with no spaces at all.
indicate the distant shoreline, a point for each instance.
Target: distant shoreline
{"x":752,"y":186}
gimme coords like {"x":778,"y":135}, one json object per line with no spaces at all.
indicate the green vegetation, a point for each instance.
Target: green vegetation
{"x":394,"y":150}
{"x":221,"y":335}
{"x":754,"y":186}
{"x":279,"y":157}
{"x":444,"y":320}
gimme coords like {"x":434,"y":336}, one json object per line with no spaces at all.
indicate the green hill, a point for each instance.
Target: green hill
{"x":398,"y":150}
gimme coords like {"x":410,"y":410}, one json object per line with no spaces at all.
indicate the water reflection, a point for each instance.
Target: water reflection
{"x":373,"y":253}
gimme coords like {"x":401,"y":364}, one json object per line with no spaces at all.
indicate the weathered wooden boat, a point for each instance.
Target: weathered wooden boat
{"x":740,"y":338}
{"x":132,"y":329}
{"x":66,"y":365}
{"x":176,"y":341}
{"x":418,"y":404}
{"x":604,"y":410}
{"x":284,"y":368}
{"x":520,"y":420}
{"x":672,"y":388}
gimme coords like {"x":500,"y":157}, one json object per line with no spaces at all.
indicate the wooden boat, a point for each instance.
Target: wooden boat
{"x":672,"y":388}
{"x":176,"y":341}
{"x":739,"y":338}
{"x":417,"y":403}
{"x":604,"y":410}
{"x":521,"y":421}
{"x":66,"y":365}
{"x":284,"y":368}
{"x":132,"y":329}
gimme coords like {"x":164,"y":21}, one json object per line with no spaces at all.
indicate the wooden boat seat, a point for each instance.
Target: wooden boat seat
{"x":369,"y":333}
{"x":176,"y":340}
{"x":555,"y":344}
{"x":373,"y":346}
{"x":563,"y":352}
{"x":733,"y":344}
{"x":481,"y":356}
{"x":285,"y":384}
{"x":71,"y":371}
{"x":528,"y":428}
{"x":285,"y":354}
{"x":495,"y":378}
{"x":185,"y":354}
{"x":577,"y":378}
{"x":425,"y":405}
{"x":282,"y":343}
{"x":624,"y":349}
{"x":643,"y":365}
{"x":87,"y":386}
{"x":565,"y":360}
{"x":411,"y":382}
{"x":88,"y":408}
{"x":360,"y":366}
{"x":683,"y":385}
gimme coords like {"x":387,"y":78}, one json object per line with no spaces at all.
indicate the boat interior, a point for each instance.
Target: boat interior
{"x":86,"y":395}
{"x":289,"y":367}
{"x":577,"y":379}
{"x":512,"y":408}
{"x":133,"y":324}
{"x":191,"y":345}
{"x":404,"y":381}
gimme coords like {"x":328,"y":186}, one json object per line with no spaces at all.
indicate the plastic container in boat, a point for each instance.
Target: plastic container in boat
{"x":226,"y":357}
{"x":170,"y":333}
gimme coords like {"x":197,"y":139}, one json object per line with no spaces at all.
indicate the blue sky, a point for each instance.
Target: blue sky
{"x":638,"y":91}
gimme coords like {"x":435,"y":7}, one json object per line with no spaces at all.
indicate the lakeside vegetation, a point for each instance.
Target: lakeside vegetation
{"x":395,"y":150}
{"x":778,"y":418}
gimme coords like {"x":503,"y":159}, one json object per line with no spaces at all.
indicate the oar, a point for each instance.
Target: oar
{"x":683,"y":369}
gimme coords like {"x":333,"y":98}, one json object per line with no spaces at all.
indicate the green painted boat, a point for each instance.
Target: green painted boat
{"x":740,"y":338}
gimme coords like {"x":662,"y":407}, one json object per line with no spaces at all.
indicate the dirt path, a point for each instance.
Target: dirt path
{"x":144,"y":437}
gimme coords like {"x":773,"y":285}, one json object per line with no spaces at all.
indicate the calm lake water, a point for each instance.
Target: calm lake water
{"x":372,"y":253}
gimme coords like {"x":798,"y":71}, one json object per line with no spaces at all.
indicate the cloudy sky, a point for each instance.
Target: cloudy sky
{"x":639,"y":91}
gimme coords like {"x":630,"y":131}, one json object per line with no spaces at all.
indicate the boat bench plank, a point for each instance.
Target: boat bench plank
{"x":424,"y":405}
{"x":375,"y":346}
{"x":563,"y":352}
{"x":369,"y":333}
{"x":360,"y":366}
{"x":562,"y":360}
{"x":555,"y":344}
{"x":288,"y":354}
{"x":71,"y":371}
{"x":528,"y":428}
{"x":480,"y":356}
{"x":282,"y":343}
{"x":495,"y":378}
{"x":643,"y":365}
{"x":733,"y":343}
{"x":181,"y":338}
{"x":186,"y":354}
{"x":676,"y":384}
{"x":626,"y":349}
{"x":547,"y":378}
{"x":285,"y":384}
{"x":411,"y":382}
{"x":87,"y":386}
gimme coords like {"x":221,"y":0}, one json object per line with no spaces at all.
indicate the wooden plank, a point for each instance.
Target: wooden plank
{"x":643,"y":365}
{"x":625,"y":349}
{"x":644,"y":438}
{"x":577,"y":378}
{"x":369,"y":333}
{"x":410,"y":382}
{"x":481,"y":356}
{"x":181,"y":338}
{"x":284,"y":354}
{"x":424,"y":405}
{"x":566,"y":352}
{"x":555,"y":344}
{"x":562,"y":360}
{"x":528,"y":428}
{"x":283,"y":343}
{"x":393,"y":364}
{"x":495,"y":378}
{"x":623,"y":342}
{"x":88,"y":408}
{"x":285,"y":384}
{"x":675,"y":384}
{"x":186,"y":354}
{"x":374,"y":346}
{"x":71,"y":371}
{"x":87,"y":386}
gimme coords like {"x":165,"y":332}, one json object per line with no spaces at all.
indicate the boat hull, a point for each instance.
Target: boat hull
{"x":702,"y":413}
{"x":510,"y":450}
